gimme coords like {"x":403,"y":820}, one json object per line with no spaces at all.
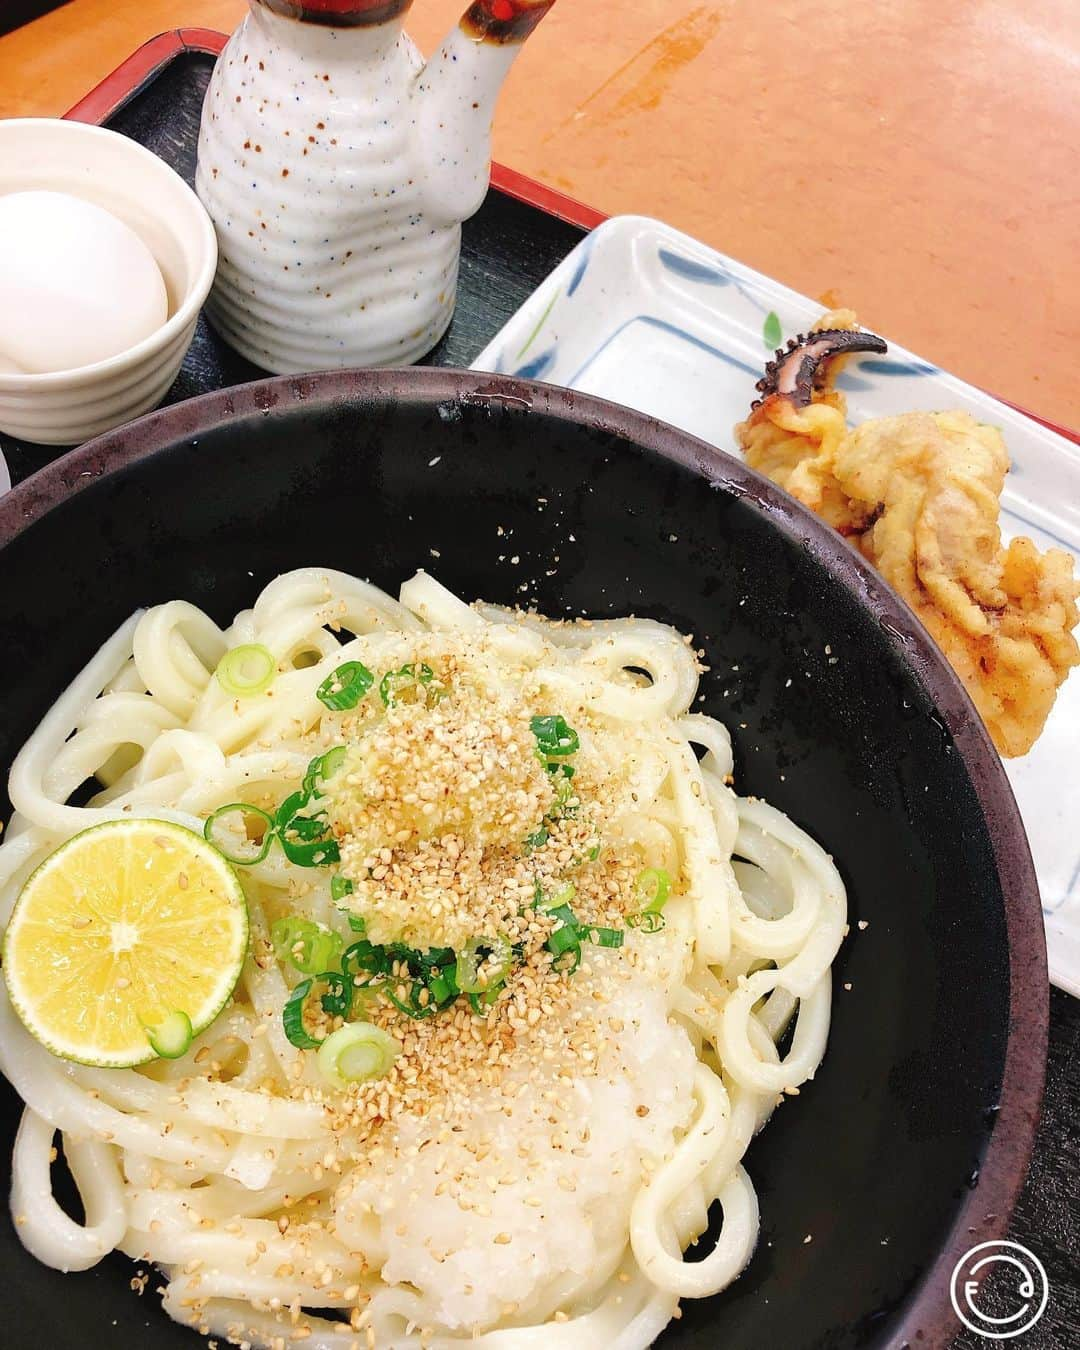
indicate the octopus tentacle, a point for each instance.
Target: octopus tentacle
{"x":918,"y":495}
{"x":795,"y":369}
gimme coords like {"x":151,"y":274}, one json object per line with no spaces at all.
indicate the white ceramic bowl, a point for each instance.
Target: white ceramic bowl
{"x":103,"y":167}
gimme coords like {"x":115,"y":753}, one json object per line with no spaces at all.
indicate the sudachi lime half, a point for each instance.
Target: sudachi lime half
{"x":125,"y":925}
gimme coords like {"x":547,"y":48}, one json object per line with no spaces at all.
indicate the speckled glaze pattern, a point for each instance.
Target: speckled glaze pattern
{"x":337,"y":169}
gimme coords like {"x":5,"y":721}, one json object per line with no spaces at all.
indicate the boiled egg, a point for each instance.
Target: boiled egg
{"x":77,"y":284}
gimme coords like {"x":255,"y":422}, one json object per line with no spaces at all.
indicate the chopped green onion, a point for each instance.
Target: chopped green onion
{"x":482,"y":963}
{"x":564,"y":795}
{"x":438,"y":969}
{"x":564,"y":938}
{"x":553,"y":736}
{"x":480,"y":1003}
{"x":332,"y":761}
{"x":647,"y":921}
{"x":443,"y":986}
{"x":171,"y":1037}
{"x":604,"y":937}
{"x":427,"y":992}
{"x":395,"y":684}
{"x":340,"y":887}
{"x":414,"y":1004}
{"x":356,"y":923}
{"x":564,"y":941}
{"x":497,"y":966}
{"x":653,"y":886}
{"x":248,"y":670}
{"x":567,"y":960}
{"x":555,"y":740}
{"x":435,"y":985}
{"x":307,"y":828}
{"x":305,"y":840}
{"x":366,"y":957}
{"x":321,"y":854}
{"x":228,"y":829}
{"x":357,"y":1053}
{"x":366,"y":995}
{"x":345,"y":687}
{"x":537,"y":839}
{"x":562,"y":897}
{"x":308,"y":946}
{"x":292,"y":1017}
{"x":465,"y":972}
{"x":435,"y":956}
{"x":289,"y":807}
{"x":337,"y":1001}
{"x":322,"y":768}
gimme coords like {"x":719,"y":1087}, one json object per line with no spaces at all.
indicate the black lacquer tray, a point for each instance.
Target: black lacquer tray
{"x":522,"y":231}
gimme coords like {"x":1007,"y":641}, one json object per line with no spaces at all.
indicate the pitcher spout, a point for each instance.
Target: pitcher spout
{"x":454,"y":101}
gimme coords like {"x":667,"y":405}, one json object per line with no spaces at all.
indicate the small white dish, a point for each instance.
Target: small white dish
{"x":646,"y":316}
{"x":114,"y":172}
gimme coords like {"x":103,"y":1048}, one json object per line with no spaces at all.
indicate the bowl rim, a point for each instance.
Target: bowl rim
{"x":926,"y":1315}
{"x":188,"y":309}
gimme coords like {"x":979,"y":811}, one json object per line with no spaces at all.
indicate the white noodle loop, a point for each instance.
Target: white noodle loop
{"x":196,"y":1164}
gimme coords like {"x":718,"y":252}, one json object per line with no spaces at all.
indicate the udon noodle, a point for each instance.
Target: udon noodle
{"x":545,"y":1200}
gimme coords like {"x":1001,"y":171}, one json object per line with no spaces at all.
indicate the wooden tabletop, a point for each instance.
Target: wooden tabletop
{"x":913,"y":160}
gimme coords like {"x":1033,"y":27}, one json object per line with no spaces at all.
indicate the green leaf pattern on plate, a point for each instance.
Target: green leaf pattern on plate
{"x":772,"y":334}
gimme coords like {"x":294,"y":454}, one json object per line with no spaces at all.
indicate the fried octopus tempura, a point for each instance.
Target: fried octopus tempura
{"x":919,"y":496}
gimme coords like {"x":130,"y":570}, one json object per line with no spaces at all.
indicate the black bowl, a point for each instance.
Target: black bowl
{"x":911,"y":1144}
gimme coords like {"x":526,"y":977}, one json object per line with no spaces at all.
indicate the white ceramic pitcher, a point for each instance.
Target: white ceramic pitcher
{"x":338,"y":168}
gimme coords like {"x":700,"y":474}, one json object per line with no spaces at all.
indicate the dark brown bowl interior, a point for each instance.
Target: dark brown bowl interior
{"x":912,"y":1142}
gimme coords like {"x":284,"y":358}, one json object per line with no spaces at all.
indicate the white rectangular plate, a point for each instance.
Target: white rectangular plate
{"x":654,"y":319}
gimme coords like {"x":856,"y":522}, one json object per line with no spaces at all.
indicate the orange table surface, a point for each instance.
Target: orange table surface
{"x":916,"y":161}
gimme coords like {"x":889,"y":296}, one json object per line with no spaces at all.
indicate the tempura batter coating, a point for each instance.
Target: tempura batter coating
{"x":919,"y":495}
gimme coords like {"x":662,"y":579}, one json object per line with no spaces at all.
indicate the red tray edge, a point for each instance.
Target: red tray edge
{"x":134,"y":73}
{"x":146,"y":61}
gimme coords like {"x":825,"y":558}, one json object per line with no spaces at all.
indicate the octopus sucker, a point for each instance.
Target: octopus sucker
{"x":919,"y":495}
{"x":795,"y":370}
